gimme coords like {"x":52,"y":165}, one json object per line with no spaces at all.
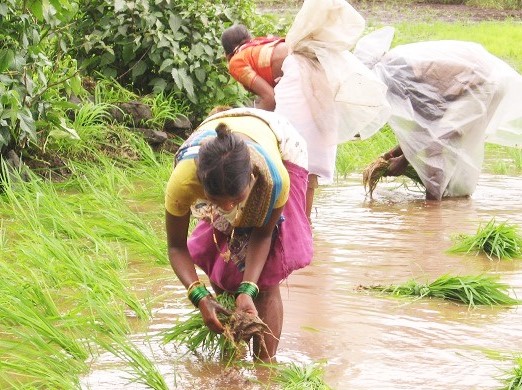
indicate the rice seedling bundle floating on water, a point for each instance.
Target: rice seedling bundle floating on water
{"x":295,"y":377}
{"x":375,"y":171}
{"x":499,"y":240}
{"x":513,"y":379}
{"x":472,"y":290}
{"x":239,"y":329}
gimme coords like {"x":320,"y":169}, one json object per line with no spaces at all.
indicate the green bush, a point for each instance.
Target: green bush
{"x":34,"y":68}
{"x":163,"y":46}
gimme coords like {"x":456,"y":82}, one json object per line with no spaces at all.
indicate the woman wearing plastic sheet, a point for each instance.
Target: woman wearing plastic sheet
{"x":448,"y":98}
{"x":313,"y":79}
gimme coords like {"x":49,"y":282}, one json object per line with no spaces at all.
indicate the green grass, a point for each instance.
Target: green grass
{"x":142,"y":369}
{"x":355,"y":155}
{"x":502,"y":160}
{"x":69,"y":286}
{"x":500,"y":38}
{"x":66,"y":249}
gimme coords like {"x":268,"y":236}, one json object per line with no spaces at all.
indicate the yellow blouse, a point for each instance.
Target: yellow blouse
{"x":184,"y":188}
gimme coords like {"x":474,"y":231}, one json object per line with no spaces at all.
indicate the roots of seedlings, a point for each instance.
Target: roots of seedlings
{"x":373,"y":173}
{"x":378,"y":169}
{"x":243,"y":326}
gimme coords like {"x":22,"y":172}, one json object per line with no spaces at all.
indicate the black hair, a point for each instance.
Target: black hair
{"x":233,"y":37}
{"x":224,"y":165}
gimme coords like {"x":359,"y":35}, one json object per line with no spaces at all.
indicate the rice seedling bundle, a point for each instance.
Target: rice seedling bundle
{"x":239,"y":329}
{"x":295,"y":377}
{"x":378,"y":169}
{"x":472,"y":290}
{"x":501,"y":241}
{"x":513,"y":379}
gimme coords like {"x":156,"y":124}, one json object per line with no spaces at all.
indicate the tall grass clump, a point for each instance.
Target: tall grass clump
{"x":81,"y":135}
{"x":109,"y":90}
{"x":142,"y":369}
{"x":473,"y":290}
{"x":31,"y":362}
{"x":495,"y":240}
{"x":68,"y":286}
{"x":165,"y":108}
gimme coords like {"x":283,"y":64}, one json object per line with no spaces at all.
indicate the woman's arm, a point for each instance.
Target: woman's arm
{"x":183,"y":266}
{"x":395,"y":152}
{"x":179,"y":257}
{"x":265,"y":93}
{"x":257,"y":254}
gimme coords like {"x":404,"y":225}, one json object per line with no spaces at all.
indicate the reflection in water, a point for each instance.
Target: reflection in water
{"x":368,"y":340}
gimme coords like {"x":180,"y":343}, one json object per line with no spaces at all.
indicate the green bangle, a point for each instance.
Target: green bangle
{"x":249,"y":288}
{"x":196,"y":294}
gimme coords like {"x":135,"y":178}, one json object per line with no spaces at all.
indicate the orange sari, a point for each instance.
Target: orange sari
{"x":253,"y":59}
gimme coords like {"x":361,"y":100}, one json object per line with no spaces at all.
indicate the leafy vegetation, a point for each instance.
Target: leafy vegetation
{"x":161,"y":46}
{"x":36,"y":71}
{"x":54,"y":53}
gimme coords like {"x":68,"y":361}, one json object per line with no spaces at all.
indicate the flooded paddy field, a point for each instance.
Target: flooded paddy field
{"x":368,"y":340}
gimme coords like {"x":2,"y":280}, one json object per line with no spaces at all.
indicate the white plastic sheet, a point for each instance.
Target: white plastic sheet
{"x":353,"y":97}
{"x":447,"y":99}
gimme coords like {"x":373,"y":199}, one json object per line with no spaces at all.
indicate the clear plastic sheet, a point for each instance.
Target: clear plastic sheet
{"x":327,"y":30}
{"x":447,"y":98}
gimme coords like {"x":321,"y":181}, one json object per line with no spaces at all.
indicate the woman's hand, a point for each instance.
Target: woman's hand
{"x":245,"y":304}
{"x":210,"y":308}
{"x":395,"y":152}
{"x":397,"y":166}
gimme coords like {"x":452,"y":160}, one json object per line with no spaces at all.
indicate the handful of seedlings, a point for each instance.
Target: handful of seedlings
{"x":501,"y":241}
{"x":471,"y":290}
{"x":374,"y":172}
{"x":239,"y":327}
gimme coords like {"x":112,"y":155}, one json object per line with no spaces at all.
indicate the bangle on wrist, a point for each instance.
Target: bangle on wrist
{"x":248,"y":288}
{"x":193,"y":284}
{"x":197,"y":291}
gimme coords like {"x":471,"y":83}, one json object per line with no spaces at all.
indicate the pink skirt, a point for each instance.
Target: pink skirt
{"x":291,"y":249}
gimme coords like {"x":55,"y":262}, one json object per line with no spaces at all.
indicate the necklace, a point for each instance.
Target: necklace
{"x":240,"y":207}
{"x":226,"y":254}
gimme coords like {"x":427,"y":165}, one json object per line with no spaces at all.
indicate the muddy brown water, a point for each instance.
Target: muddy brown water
{"x":366,"y":340}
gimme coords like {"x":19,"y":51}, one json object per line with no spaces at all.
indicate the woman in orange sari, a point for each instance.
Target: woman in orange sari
{"x":311,"y":78}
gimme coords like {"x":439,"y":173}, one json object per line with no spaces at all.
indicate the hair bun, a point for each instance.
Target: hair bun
{"x":223,"y":131}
